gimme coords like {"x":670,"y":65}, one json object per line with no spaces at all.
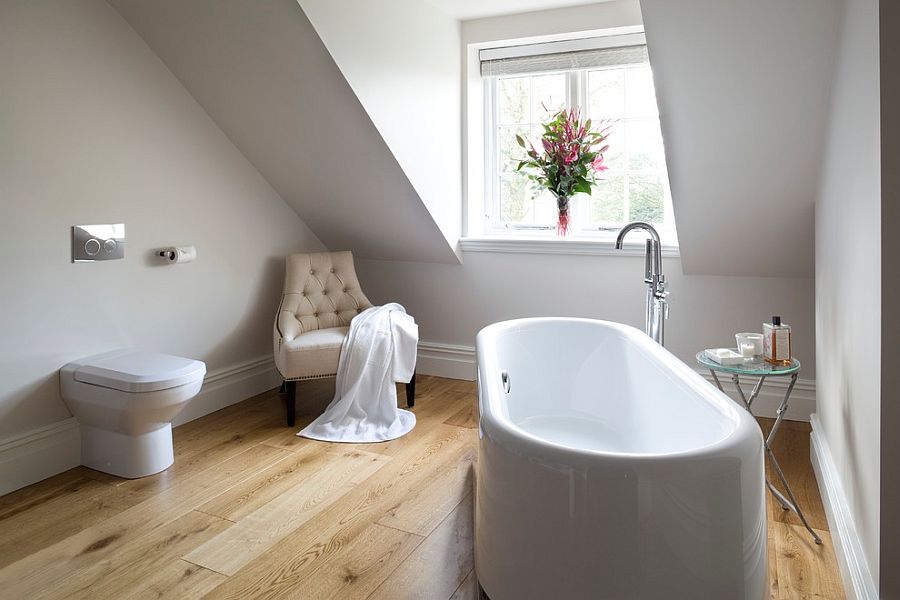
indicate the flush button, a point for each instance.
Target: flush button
{"x":91,"y":243}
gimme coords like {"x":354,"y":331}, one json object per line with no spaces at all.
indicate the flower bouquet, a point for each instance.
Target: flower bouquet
{"x":571,"y":161}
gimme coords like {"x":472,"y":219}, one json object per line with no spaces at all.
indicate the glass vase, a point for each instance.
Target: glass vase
{"x":562,"y":225}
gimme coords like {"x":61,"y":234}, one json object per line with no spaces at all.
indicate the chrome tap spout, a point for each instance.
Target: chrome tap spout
{"x":657,"y":305}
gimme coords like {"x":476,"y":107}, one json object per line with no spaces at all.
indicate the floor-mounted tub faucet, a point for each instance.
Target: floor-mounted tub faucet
{"x":657,"y":305}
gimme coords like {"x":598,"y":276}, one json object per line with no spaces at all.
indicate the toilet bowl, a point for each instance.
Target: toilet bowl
{"x":125,"y":401}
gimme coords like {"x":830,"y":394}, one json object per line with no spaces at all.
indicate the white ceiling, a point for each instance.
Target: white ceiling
{"x":475,"y":9}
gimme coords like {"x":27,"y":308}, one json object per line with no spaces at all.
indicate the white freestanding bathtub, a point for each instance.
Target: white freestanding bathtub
{"x":610,"y":469}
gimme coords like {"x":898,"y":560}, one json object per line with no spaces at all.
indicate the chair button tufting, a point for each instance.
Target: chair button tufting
{"x":315,"y":314}
{"x":345,"y":290}
{"x":332,"y":269}
{"x":324,"y":292}
{"x":311,"y":272}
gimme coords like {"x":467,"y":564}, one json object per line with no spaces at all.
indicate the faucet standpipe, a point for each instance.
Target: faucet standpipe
{"x":657,"y":305}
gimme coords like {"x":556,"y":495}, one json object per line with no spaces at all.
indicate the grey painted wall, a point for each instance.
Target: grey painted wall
{"x":849,"y":274}
{"x":264,"y":76}
{"x":452,"y":302}
{"x":889,"y":24}
{"x":743,"y":98}
{"x":401,"y":58}
{"x":95,"y":129}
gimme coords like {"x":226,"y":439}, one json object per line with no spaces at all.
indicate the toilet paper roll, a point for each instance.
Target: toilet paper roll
{"x":178,"y":254}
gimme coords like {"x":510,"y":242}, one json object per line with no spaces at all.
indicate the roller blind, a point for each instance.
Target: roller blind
{"x":557,"y":57}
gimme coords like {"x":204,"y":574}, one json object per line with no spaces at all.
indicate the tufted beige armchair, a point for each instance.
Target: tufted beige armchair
{"x":321,"y":296}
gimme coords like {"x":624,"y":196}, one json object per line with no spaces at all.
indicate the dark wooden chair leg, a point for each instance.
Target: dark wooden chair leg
{"x":411,"y":391}
{"x":291,"y":402}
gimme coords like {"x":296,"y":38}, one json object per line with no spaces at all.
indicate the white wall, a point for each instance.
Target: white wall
{"x":95,"y":129}
{"x":452,"y":302}
{"x":743,"y":97}
{"x":889,"y":22}
{"x":262,"y":73}
{"x":401,"y":59}
{"x":848,"y":273}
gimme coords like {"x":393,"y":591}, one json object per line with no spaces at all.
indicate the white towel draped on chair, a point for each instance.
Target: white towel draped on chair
{"x":379,"y":350}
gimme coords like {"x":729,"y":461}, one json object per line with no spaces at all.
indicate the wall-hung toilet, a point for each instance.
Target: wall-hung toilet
{"x":125,"y":401}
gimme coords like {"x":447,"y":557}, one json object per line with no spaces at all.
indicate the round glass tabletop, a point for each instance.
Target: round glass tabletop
{"x":754,"y":366}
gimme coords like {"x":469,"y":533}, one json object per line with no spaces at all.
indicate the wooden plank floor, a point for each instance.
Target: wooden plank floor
{"x":249,"y":510}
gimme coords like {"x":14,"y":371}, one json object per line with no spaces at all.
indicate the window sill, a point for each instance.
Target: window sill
{"x":532,"y":245}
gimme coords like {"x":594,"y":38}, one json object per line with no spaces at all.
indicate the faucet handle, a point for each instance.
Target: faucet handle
{"x":660,"y":290}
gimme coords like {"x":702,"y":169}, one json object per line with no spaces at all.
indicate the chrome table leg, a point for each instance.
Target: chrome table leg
{"x":789,"y":502}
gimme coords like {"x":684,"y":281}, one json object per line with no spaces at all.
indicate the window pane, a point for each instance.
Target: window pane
{"x":548,"y":96}
{"x":645,"y":147}
{"x":509,"y":150}
{"x":640,"y":95}
{"x":519,"y":205}
{"x":645,"y":195}
{"x":632,"y":189}
{"x":608,"y":201}
{"x":606,"y":94}
{"x":513,"y":99}
{"x":614,"y":157}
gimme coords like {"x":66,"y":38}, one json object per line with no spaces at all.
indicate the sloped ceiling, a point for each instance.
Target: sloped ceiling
{"x":261,"y":72}
{"x":476,"y":9}
{"x":402,"y":60}
{"x":743,"y":92}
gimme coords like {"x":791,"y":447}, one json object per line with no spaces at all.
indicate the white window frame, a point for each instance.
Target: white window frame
{"x":576,"y":97}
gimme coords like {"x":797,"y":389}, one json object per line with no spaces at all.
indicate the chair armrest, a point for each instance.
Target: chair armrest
{"x":288,"y":325}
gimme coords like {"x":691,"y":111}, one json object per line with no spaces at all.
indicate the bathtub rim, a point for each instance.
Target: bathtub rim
{"x":496,"y":422}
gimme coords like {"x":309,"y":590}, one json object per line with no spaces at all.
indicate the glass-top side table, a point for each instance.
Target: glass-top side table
{"x":761,"y":369}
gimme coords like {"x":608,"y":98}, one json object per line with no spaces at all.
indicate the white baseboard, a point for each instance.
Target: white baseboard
{"x":43,"y":452}
{"x":458,"y":362}
{"x":38,"y":454}
{"x":224,"y":387}
{"x":802,"y":402}
{"x":855,"y":574}
{"x":446,"y":360}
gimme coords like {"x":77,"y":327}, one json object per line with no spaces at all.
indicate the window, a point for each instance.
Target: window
{"x":608,"y":82}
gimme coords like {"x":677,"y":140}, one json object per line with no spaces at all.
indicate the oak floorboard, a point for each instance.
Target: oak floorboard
{"x":440,"y":564}
{"x":359,"y":568}
{"x":772,"y":559}
{"x":179,"y":580}
{"x":467,"y":416}
{"x":228,"y":552}
{"x":791,"y":449}
{"x":267,"y":484}
{"x":468,"y":589}
{"x":85,"y":549}
{"x":74,"y":507}
{"x":281,"y":568}
{"x":142,"y":562}
{"x":41,"y":492}
{"x":805,"y":569}
{"x":422,"y":511}
{"x":234,"y":463}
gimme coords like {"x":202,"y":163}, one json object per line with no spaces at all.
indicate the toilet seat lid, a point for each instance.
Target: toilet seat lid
{"x":137,"y":371}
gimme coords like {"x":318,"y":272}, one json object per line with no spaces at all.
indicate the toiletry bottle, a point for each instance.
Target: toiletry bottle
{"x":777,"y":342}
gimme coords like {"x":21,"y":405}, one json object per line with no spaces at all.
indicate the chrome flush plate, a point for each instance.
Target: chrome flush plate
{"x":91,"y":243}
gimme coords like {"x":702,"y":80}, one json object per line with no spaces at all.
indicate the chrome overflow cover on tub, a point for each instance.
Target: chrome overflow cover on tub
{"x":504,"y":376}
